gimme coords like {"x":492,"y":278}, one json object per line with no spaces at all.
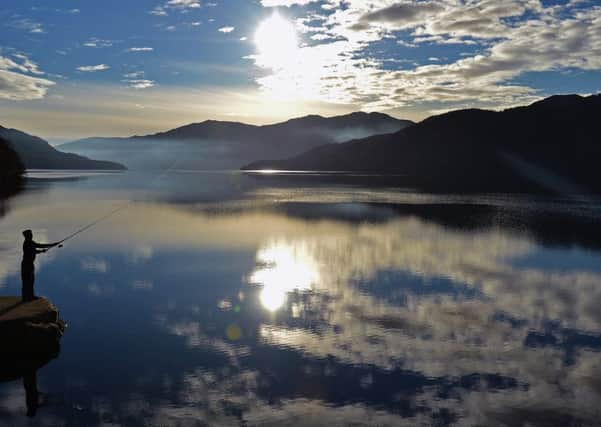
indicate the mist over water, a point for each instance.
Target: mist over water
{"x":232,"y":299}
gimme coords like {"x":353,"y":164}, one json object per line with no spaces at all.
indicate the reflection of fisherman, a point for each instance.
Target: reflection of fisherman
{"x":30,"y":383}
{"x":30,"y":250}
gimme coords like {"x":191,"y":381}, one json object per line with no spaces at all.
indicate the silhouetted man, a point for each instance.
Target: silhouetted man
{"x":30,"y":250}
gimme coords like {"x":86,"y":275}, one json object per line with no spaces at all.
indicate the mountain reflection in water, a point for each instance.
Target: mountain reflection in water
{"x":256,"y":304}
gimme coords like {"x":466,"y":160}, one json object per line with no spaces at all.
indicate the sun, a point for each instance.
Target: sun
{"x":276,"y":42}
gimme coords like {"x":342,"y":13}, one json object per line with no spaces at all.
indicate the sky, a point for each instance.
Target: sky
{"x":72,"y":69}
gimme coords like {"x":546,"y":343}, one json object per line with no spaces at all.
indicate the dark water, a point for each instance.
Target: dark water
{"x":225,"y":299}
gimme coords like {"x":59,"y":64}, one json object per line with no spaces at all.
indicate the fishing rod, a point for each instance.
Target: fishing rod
{"x":92,"y":224}
{"x":113,"y":212}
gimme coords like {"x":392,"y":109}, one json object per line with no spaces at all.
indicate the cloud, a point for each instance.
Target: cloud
{"x":134,"y":75}
{"x":16,"y":85}
{"x":27,"y":25}
{"x":142,"y":285}
{"x":194,"y":4}
{"x":140,"y":49}
{"x":26,"y":65}
{"x":96,"y":265}
{"x":477,"y":329}
{"x":98,"y":43}
{"x":226,"y":29}
{"x":286,"y":3}
{"x":514,"y":37}
{"x":182,"y":5}
{"x":140,"y":83}
{"x":93,"y":68}
{"x":400,"y":14}
{"x":158,"y":11}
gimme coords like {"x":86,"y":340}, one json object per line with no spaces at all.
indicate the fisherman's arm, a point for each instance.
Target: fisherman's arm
{"x":46,"y":245}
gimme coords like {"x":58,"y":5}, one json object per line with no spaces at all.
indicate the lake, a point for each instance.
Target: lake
{"x":220,"y":298}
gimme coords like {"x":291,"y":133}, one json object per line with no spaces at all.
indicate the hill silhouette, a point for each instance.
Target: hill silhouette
{"x":36,"y":153}
{"x":11,"y":169}
{"x":217,"y":144}
{"x":551,"y":145}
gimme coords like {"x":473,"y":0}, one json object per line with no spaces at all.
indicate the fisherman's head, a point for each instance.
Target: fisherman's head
{"x":28,"y":234}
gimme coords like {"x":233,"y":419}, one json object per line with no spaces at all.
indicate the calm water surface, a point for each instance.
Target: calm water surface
{"x":226,"y":299}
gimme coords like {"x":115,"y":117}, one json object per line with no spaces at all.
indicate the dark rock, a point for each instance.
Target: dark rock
{"x":32,"y":328}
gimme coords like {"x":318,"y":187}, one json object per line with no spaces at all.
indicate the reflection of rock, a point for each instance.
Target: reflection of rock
{"x":32,"y":328}
{"x":26,"y":367}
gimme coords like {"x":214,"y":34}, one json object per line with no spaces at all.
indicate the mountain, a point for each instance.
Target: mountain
{"x":11,"y":170}
{"x":221,"y":145}
{"x":10,"y":164}
{"x":35,"y":153}
{"x":11,"y":167}
{"x":552,"y":145}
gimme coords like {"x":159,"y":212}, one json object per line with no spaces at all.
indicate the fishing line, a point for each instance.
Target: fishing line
{"x":116,"y":210}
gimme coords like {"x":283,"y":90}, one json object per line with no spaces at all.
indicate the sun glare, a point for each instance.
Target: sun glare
{"x":277,"y":42}
{"x":283,"y":269}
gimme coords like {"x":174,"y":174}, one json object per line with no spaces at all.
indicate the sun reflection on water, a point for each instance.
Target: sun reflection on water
{"x":282,"y":268}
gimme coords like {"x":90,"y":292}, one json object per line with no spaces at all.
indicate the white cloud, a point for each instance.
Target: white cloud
{"x":140,"y":83}
{"x":158,"y":11}
{"x":140,"y":49}
{"x":182,"y":5}
{"x":226,"y":29}
{"x":28,"y":25}
{"x":98,"y":43}
{"x":134,"y":75}
{"x":515,"y":36}
{"x":25,"y":65}
{"x":93,"y":68}
{"x":286,"y":3}
{"x":194,"y":4}
{"x":17,"y":86}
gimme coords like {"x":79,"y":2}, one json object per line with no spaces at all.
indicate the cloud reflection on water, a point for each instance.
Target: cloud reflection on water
{"x":497,"y":345}
{"x":438,"y":335}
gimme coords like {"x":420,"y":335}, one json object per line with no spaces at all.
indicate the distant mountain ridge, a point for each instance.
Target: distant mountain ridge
{"x":36,"y":153}
{"x":219,"y":144}
{"x":551,"y":144}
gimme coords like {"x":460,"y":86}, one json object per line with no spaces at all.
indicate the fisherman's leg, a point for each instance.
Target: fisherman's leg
{"x":27,"y":283}
{"x":27,"y":289}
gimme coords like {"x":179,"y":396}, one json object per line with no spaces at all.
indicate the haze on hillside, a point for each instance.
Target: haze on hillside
{"x":230,"y":145}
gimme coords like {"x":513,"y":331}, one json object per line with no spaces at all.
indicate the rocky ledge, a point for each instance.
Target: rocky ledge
{"x":33,"y":328}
